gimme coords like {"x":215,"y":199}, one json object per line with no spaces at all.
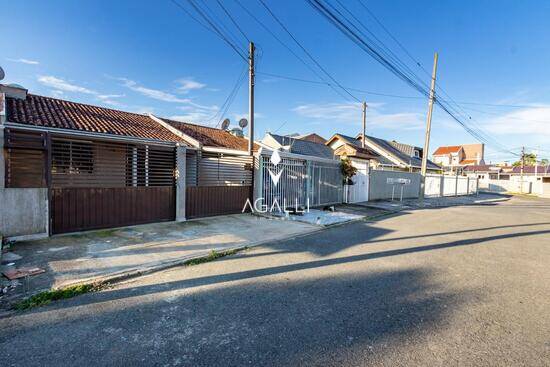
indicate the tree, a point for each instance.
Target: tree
{"x":544,"y":162}
{"x":530,"y":160}
{"x":348,"y":170}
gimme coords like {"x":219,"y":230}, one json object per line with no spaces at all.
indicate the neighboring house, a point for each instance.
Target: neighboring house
{"x":457,"y":157}
{"x":298,"y":146}
{"x":67,"y":166}
{"x":388,"y":155}
{"x":219,"y":169}
{"x":313,"y":137}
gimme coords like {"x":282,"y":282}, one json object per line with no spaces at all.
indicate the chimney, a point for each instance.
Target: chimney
{"x":13,"y":91}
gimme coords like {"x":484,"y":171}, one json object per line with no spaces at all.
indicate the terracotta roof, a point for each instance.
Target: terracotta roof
{"x":211,"y":137}
{"x":57,"y":113}
{"x":482,"y":168}
{"x":447,"y":150}
{"x":468,"y":161}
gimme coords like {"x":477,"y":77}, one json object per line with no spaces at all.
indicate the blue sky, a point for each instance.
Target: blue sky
{"x":146,"y":56}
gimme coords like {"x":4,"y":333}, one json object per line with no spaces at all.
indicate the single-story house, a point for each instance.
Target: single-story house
{"x":388,"y":155}
{"x":68,"y":166}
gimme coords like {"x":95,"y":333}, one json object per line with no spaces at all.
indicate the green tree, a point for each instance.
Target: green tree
{"x":348,"y":170}
{"x":544,"y":162}
{"x":530,"y":160}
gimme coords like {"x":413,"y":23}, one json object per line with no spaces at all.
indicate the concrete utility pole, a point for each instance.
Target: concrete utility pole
{"x":521,"y":170}
{"x":428,"y":130}
{"x":364,"y":123}
{"x":251,"y":50}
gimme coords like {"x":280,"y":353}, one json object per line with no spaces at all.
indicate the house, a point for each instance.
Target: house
{"x":388,"y":155}
{"x":219,"y":169}
{"x":308,"y":173}
{"x":298,"y":146}
{"x":313,"y":137}
{"x":456,"y":157}
{"x":68,"y":166}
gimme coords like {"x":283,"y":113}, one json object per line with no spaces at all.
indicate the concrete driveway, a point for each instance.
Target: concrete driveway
{"x":459,"y":286}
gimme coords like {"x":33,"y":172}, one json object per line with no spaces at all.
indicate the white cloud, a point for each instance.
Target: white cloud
{"x":25,"y":61}
{"x":62,"y":85}
{"x":351,"y":113}
{"x":188,"y":84}
{"x":110,"y":99}
{"x":152,"y":93}
{"x":533,"y":121}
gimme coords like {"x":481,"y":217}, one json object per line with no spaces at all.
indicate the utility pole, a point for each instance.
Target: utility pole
{"x":522,"y":168}
{"x":428,"y":130}
{"x":251,"y":50}
{"x":364,"y":123}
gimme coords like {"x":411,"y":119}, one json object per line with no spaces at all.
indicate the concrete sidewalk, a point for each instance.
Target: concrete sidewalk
{"x":117,"y":253}
{"x":433,"y":203}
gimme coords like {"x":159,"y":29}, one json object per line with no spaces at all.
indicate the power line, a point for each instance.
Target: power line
{"x":306,"y":51}
{"x":233,"y":20}
{"x":344,"y":26}
{"x":217,"y":30}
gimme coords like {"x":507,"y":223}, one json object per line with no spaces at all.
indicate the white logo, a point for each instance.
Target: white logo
{"x":275,"y":159}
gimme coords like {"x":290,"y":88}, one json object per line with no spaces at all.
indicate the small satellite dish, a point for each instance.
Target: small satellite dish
{"x":243,"y":123}
{"x":2,"y":74}
{"x":225,"y":124}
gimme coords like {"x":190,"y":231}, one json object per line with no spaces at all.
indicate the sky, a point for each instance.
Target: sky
{"x":152,"y":57}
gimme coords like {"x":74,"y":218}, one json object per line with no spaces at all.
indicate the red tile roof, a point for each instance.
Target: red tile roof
{"x":468,"y":161}
{"x":56,"y":113}
{"x":211,"y":137}
{"x":447,"y":150}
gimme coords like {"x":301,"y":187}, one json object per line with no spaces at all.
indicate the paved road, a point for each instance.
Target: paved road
{"x":454,"y":286}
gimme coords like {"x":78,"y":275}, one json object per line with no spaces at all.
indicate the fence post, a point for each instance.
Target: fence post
{"x":467,"y":185}
{"x":309,"y":179}
{"x":442,"y":186}
{"x":456,"y":184}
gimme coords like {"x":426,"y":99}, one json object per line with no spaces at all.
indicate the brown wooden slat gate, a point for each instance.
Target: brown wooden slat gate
{"x":217,"y":183}
{"x":78,"y":209}
{"x":207,"y":201}
{"x":102,"y":184}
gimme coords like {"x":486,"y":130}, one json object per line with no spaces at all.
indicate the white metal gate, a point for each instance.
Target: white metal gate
{"x":301,"y":182}
{"x":359,"y":191}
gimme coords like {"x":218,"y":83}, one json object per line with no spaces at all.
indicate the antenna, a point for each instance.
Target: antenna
{"x":2,"y":74}
{"x":225,"y":124}
{"x":243,"y":123}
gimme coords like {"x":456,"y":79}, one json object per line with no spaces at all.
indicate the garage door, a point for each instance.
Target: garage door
{"x":98,"y":184}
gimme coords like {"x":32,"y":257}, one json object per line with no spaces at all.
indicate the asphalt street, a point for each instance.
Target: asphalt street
{"x":458,"y":286}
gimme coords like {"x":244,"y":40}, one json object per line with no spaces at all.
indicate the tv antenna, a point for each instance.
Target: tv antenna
{"x":243,"y":123}
{"x":225,"y":124}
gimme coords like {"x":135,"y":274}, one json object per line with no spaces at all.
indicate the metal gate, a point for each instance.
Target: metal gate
{"x":99,"y":184}
{"x":301,"y":182}
{"x":359,"y":191}
{"x":217,"y":183}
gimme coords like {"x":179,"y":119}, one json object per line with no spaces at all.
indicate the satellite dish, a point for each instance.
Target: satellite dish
{"x":225,"y":124}
{"x":2,"y":74}
{"x":243,"y":122}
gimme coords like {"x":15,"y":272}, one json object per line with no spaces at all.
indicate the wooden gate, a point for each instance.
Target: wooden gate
{"x":79,"y":209}
{"x":98,"y":184}
{"x":217,"y":183}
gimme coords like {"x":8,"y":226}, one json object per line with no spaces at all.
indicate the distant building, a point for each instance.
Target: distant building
{"x":456,"y":157}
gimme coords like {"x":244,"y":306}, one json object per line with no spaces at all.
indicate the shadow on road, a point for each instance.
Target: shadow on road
{"x":262,"y":321}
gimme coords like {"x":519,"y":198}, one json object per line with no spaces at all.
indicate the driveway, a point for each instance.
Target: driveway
{"x":465,"y":286}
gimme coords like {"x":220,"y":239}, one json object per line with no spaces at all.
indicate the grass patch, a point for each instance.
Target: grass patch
{"x":213,"y":255}
{"x":46,"y":297}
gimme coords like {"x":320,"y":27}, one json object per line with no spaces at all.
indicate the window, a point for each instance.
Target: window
{"x":72,"y":158}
